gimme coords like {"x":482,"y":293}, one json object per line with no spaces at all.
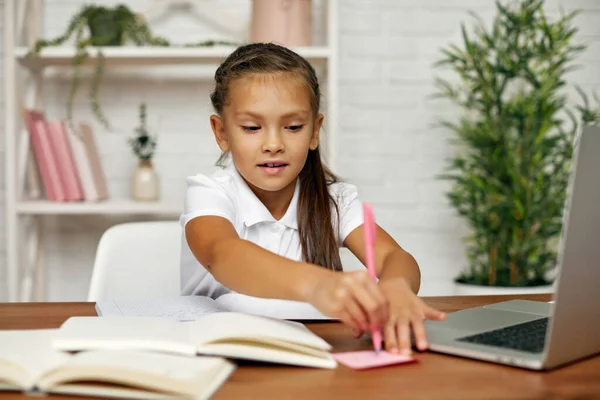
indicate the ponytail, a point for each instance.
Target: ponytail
{"x":315,"y":221}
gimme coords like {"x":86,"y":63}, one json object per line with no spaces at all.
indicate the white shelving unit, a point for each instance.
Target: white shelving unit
{"x":23,"y":24}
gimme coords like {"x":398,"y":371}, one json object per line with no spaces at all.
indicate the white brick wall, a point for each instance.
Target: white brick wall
{"x":387,"y":144}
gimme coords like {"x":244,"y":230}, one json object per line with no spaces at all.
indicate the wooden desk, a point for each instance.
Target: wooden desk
{"x":434,"y":376}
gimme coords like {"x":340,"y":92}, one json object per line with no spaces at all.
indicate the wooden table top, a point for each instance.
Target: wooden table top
{"x":433,"y":376}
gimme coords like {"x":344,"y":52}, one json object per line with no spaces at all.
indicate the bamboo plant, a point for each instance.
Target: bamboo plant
{"x":516,"y":134}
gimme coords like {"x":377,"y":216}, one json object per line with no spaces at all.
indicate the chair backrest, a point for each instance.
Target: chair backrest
{"x":137,"y":260}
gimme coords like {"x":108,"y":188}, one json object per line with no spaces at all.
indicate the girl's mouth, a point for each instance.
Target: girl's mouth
{"x":272,"y":168}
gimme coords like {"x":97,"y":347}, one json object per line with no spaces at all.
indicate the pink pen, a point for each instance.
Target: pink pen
{"x":370,"y":230}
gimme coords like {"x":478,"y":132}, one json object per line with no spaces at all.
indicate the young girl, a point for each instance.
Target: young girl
{"x":270,"y":223}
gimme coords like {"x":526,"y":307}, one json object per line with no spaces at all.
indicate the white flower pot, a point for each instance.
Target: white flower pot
{"x":145,"y":184}
{"x":461,"y":289}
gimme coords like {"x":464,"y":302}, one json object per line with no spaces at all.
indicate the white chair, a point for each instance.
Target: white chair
{"x":137,"y":260}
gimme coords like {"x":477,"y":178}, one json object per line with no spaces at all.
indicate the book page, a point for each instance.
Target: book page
{"x":274,"y":308}
{"x":190,"y":377}
{"x":31,"y":350}
{"x":181,"y":308}
{"x":224,"y":326}
{"x":124,"y":333}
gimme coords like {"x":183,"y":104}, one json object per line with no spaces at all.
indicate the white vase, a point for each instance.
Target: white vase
{"x":145,"y":184}
{"x":461,"y":289}
{"x":285,"y":22}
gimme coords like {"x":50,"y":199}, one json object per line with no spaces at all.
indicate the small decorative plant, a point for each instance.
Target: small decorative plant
{"x":99,"y":26}
{"x":509,"y":182}
{"x":589,"y":115}
{"x":143,"y":144}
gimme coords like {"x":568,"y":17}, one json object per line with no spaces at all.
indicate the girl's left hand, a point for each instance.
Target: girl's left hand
{"x":406,"y":311}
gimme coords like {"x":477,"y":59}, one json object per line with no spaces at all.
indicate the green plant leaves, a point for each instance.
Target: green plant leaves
{"x":100,"y":27}
{"x":509,"y":180}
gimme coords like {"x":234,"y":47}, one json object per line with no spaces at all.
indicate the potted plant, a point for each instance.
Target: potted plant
{"x":509,"y":181}
{"x":99,"y":26}
{"x":145,"y":182}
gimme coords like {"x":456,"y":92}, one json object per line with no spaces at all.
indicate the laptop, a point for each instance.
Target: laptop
{"x":540,"y":335}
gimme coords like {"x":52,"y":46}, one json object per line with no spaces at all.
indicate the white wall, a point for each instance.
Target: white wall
{"x":387,"y":145}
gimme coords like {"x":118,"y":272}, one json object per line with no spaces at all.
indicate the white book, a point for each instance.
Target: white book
{"x":84,"y":168}
{"x":29,"y":363}
{"x":190,"y":308}
{"x":225,"y":334}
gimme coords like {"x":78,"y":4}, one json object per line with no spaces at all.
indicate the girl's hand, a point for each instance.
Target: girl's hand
{"x":406,"y":310}
{"x":353,"y":297}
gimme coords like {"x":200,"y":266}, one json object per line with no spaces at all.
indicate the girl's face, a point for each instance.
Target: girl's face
{"x":269,"y":126}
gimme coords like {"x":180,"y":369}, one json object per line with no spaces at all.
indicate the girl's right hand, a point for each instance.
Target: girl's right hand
{"x":352,"y":297}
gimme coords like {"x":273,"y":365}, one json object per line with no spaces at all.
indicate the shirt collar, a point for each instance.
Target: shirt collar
{"x":254,"y":211}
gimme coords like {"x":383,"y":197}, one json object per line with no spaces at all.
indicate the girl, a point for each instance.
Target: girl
{"x":269,"y":224}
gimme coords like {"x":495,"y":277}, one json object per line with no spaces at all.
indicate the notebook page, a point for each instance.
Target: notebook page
{"x":124,"y":333}
{"x":274,"y":308}
{"x":32,"y":350}
{"x":180,"y":308}
{"x":189,"y":377}
{"x":237,"y":326}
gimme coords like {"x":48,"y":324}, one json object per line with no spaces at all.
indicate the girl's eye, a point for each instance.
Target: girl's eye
{"x":251,"y":128}
{"x":295,"y":128}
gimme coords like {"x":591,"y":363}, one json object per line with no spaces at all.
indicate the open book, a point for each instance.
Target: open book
{"x":190,"y":308}
{"x":29,"y":363}
{"x":226,"y":334}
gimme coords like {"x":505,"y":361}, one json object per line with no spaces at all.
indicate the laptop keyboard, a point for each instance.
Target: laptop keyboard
{"x":529,"y":336}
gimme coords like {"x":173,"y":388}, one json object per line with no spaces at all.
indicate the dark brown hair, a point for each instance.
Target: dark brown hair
{"x":315,"y":205}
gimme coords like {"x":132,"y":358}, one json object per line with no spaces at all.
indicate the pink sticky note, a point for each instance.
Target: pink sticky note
{"x":370,"y":359}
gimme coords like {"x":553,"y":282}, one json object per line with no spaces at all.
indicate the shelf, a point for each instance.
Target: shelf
{"x":131,"y":207}
{"x":136,"y":56}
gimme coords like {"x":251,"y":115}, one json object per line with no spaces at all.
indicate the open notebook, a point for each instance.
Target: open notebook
{"x":29,"y":363}
{"x":190,"y":308}
{"x":226,"y":334}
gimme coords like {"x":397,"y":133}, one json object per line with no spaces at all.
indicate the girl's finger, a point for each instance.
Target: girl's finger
{"x":389,"y":337}
{"x":358,"y":333}
{"x":358,"y":315}
{"x":348,"y":320}
{"x":383,"y":305}
{"x":419,"y":331}
{"x":433,"y":314}
{"x":403,"y":330}
{"x":372,"y":307}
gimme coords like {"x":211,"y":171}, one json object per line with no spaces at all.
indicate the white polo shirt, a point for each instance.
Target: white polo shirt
{"x":226,"y":194}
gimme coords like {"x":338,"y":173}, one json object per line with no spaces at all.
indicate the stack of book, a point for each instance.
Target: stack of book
{"x":66,"y":164}
{"x":151,"y":357}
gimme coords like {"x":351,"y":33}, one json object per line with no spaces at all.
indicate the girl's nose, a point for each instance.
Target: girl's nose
{"x":273,"y":143}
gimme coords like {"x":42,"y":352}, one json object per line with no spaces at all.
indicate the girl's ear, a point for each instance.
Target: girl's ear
{"x":314,"y":140}
{"x":218,"y":127}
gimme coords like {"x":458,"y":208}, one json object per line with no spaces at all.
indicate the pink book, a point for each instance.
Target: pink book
{"x":43,"y":156}
{"x":47,"y":164}
{"x":64,"y":160}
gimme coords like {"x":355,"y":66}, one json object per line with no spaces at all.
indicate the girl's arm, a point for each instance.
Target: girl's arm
{"x":391,"y":260}
{"x":247,"y":268}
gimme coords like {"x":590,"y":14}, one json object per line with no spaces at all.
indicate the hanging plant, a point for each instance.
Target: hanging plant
{"x":99,"y":26}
